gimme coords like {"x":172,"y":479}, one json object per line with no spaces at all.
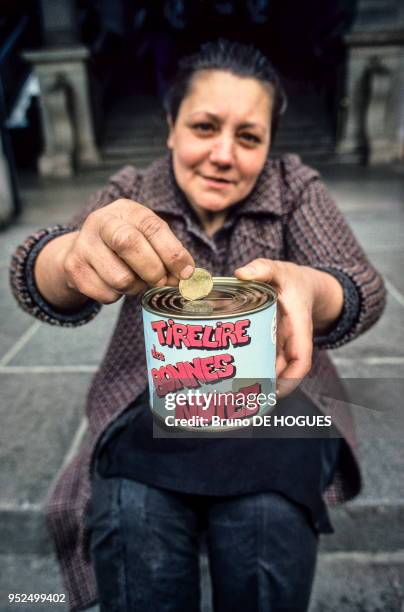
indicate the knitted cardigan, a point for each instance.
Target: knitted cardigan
{"x":289,"y":216}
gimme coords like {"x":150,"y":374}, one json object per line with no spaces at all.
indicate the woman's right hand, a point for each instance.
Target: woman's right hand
{"x":120,"y":249}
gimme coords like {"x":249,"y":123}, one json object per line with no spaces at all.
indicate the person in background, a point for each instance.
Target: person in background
{"x":126,"y":513}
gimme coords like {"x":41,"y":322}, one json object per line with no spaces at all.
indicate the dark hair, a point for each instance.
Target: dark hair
{"x":239,"y":59}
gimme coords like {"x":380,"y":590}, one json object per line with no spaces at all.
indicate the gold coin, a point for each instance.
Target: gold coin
{"x":203,"y":307}
{"x":197,"y":286}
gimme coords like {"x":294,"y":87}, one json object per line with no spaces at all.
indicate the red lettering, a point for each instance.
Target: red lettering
{"x":208,"y":368}
{"x":202,"y":336}
{"x":157,"y":354}
{"x":192,"y":374}
{"x":186,"y":375}
{"x":223,"y":366}
{"x":186,"y":411}
{"x":228,"y":334}
{"x":159,"y":327}
{"x":207,"y":342}
{"x":225,"y":405}
{"x":249,"y":406}
{"x":180,"y":335}
{"x":241,"y":333}
{"x":194,"y":370}
{"x":169,"y":334}
{"x":208,"y":410}
{"x":194,"y":335}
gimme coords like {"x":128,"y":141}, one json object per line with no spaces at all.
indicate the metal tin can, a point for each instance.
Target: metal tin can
{"x":208,"y":360}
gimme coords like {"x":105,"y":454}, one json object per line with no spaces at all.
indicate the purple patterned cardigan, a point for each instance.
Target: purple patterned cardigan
{"x":289,"y":216}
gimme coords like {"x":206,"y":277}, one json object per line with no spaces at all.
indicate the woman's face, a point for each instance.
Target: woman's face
{"x":220,"y":139}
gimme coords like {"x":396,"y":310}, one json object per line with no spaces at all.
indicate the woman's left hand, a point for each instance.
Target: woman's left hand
{"x":299,"y":289}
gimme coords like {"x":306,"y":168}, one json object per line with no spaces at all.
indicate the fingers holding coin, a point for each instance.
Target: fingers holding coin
{"x":197,"y":286}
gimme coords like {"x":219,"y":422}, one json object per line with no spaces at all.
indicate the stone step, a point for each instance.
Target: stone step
{"x":27,"y":573}
{"x":146,"y":127}
{"x":152,"y":145}
{"x":122,"y":149}
{"x":359,"y":527}
{"x":134,"y":133}
{"x":347,"y":582}
{"x":139,"y":154}
{"x":359,"y":582}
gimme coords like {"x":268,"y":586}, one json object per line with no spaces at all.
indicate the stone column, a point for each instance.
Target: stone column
{"x":6,"y":192}
{"x":9,"y":200}
{"x":66,"y":112}
{"x":61,"y":69}
{"x":381,"y":133}
{"x":374,"y":127}
{"x":352,"y":145}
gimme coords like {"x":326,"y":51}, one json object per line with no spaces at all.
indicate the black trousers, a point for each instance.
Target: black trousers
{"x":262,"y":549}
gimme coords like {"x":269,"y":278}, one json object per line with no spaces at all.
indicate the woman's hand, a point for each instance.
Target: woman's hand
{"x":308,"y":300}
{"x":120,"y":249}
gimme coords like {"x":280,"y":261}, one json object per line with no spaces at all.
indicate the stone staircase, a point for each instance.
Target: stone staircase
{"x":135,"y":131}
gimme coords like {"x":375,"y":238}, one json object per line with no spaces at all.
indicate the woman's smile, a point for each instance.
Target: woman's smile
{"x":217,"y":182}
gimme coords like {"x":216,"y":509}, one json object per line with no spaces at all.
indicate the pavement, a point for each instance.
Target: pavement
{"x":45,"y":371}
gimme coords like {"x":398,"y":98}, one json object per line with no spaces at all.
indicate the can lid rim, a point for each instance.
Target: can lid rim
{"x":230,"y":280}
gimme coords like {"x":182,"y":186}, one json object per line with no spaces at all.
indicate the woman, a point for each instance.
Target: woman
{"x":220,"y":202}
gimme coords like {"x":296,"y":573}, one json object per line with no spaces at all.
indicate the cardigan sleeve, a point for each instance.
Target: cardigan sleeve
{"x":123,"y":184}
{"x":318,"y":235}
